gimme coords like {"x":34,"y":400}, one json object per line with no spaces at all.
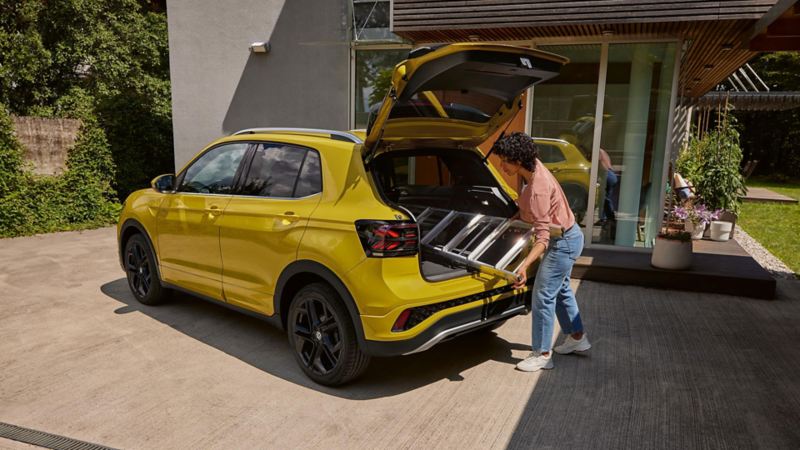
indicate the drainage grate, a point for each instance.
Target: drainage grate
{"x":46,"y":440}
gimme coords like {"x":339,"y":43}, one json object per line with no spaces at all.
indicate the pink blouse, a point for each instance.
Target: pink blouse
{"x":543,"y":204}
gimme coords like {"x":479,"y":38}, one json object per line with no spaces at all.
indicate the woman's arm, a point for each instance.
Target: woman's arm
{"x":535,"y":253}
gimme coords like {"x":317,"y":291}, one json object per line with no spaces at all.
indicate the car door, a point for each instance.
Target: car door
{"x":263,"y":224}
{"x":188,"y":220}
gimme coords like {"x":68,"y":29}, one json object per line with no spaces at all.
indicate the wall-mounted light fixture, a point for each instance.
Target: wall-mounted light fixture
{"x":259,"y":47}
{"x":474,"y":37}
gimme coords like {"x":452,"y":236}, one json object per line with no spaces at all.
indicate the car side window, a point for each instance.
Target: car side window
{"x":214,"y":171}
{"x":276,"y":171}
{"x":310,"y":180}
{"x":550,"y":154}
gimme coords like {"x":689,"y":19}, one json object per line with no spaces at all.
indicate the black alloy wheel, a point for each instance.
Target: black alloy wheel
{"x":140,"y":275}
{"x":140,"y":267}
{"x":323,"y":337}
{"x":317,"y":336}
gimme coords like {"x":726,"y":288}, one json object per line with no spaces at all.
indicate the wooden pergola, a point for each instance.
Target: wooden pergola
{"x":720,"y":36}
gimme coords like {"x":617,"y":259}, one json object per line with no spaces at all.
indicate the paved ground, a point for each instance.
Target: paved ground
{"x":759,"y":194}
{"x":79,"y":357}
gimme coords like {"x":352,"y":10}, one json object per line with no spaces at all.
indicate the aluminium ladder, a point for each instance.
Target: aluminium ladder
{"x":487,"y":244}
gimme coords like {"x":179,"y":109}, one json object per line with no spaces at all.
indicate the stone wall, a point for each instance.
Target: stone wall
{"x":46,"y":141}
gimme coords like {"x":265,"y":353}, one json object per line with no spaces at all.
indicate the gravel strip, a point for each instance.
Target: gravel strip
{"x":768,"y":261}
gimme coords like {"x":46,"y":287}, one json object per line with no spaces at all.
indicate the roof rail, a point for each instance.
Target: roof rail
{"x":334,"y":134}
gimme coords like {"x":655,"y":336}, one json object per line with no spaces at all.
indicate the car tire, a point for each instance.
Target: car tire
{"x":323,"y":338}
{"x":142,"y":271}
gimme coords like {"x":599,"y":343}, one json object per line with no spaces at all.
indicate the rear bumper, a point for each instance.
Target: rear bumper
{"x":453,"y":325}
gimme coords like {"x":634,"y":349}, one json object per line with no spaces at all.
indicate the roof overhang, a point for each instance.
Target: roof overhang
{"x":720,"y":38}
{"x":779,"y":29}
{"x":748,"y":101}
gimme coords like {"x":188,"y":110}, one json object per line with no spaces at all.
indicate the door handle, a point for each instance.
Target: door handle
{"x":213,"y":210}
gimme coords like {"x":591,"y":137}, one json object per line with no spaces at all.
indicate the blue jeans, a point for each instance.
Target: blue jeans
{"x":552,"y":294}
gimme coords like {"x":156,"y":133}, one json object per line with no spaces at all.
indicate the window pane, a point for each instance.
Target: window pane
{"x":460,"y":105}
{"x":310,"y":181}
{"x":549,"y":154}
{"x":633,"y":141}
{"x":373,"y":78}
{"x":213,"y":173}
{"x":274,"y":171}
{"x":371,"y":21}
{"x":564,"y":108}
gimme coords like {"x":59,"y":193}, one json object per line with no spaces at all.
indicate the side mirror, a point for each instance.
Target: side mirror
{"x":164,"y":183}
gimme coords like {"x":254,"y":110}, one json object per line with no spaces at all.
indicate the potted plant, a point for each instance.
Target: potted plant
{"x":695,"y":216}
{"x":672,"y":249}
{"x":712,"y":164}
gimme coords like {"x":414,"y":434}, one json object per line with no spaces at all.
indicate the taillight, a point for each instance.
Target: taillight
{"x":385,"y":238}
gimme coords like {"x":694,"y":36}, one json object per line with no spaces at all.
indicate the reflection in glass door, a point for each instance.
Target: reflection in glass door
{"x":563,"y":122}
{"x":633,"y":140}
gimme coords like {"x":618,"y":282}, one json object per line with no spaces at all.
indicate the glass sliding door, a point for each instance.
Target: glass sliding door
{"x":633,"y":140}
{"x":563,"y":116}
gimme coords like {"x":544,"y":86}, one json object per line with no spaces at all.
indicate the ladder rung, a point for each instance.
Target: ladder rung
{"x":473,"y":223}
{"x":514,"y":251}
{"x":439,"y":227}
{"x":483,"y":246}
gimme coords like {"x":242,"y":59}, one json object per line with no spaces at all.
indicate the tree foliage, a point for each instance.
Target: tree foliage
{"x":109,"y":59}
{"x":772,"y":137}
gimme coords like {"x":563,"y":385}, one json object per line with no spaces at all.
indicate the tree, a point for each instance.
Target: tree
{"x":771,"y":137}
{"x":115,"y":52}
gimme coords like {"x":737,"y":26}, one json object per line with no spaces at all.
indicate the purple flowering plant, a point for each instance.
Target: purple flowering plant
{"x":698,"y":214}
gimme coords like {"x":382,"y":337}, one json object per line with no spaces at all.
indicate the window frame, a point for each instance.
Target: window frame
{"x":250,"y":156}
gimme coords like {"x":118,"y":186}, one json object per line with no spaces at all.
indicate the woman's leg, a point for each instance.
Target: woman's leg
{"x":553,"y":269}
{"x":569,"y":317}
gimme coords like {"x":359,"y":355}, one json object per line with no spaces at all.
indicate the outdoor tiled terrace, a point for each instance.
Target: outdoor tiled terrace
{"x":668,"y":370}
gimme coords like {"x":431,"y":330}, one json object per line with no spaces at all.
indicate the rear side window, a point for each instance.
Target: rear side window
{"x":214,"y":171}
{"x":310,"y":180}
{"x":283,"y":171}
{"x":550,"y":154}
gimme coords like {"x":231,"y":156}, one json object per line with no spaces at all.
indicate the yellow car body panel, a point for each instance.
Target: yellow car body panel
{"x":257,"y":235}
{"x":575,"y":168}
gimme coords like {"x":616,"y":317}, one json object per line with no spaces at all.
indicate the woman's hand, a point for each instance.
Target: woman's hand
{"x":522,"y":276}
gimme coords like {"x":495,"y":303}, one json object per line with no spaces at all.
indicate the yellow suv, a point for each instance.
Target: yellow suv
{"x":319,"y":231}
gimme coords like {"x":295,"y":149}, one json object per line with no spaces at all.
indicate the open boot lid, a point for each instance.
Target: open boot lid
{"x":455,"y":95}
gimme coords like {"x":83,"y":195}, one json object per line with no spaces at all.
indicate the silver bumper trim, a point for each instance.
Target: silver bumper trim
{"x":464,"y":327}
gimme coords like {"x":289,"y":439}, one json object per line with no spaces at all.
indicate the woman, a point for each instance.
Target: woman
{"x":543,"y":204}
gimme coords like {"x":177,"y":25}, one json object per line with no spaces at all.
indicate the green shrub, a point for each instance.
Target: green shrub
{"x":712,"y":164}
{"x":81,"y":197}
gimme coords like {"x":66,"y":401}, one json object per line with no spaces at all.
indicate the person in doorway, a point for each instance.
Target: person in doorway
{"x":542,"y":203}
{"x":609,"y":210}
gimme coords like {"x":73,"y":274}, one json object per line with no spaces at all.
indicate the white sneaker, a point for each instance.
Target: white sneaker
{"x":571,"y":344}
{"x":536,"y":361}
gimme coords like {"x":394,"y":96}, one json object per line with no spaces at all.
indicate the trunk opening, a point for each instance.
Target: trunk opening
{"x":448,"y":180}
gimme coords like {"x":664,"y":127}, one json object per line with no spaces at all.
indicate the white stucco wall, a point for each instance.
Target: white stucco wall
{"x":219,"y":86}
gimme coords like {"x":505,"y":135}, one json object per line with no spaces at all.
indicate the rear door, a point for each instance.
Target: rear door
{"x":265,"y":221}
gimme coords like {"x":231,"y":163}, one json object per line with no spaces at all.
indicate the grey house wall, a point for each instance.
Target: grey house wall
{"x":219,"y":86}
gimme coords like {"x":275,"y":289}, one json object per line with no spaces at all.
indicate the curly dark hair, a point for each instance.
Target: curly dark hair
{"x":517,"y":148}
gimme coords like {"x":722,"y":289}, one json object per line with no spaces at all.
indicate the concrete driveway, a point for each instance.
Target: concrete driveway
{"x":80,"y":357}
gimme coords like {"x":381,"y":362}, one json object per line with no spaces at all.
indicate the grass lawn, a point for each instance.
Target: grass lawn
{"x":775,"y":226}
